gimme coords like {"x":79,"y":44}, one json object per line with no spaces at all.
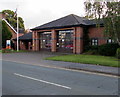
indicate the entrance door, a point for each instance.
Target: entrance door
{"x":65,"y":41}
{"x":46,"y":40}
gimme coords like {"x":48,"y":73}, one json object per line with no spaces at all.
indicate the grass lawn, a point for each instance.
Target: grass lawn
{"x":88,"y":59}
{"x":0,"y":51}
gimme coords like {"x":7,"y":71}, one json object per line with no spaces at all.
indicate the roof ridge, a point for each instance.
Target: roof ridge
{"x":75,"y":17}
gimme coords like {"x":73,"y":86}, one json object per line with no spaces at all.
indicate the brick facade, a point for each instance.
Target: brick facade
{"x":60,"y":37}
{"x":22,"y":45}
{"x":34,"y":44}
{"x":77,"y":40}
{"x":99,"y":34}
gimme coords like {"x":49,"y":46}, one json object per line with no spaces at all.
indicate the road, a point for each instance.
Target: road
{"x":27,"y":79}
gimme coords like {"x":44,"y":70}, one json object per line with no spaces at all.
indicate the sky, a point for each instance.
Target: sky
{"x":38,"y":12}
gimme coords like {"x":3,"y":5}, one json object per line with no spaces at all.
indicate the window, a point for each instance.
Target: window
{"x":110,"y":40}
{"x":94,"y":41}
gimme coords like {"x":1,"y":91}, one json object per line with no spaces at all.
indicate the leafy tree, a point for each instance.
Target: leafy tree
{"x":109,"y":12}
{"x":6,"y":34}
{"x":13,"y":19}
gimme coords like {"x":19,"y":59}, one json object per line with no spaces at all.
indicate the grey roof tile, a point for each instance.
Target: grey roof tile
{"x":27,"y":36}
{"x":67,"y":21}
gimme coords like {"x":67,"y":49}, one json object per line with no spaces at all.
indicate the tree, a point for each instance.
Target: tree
{"x":109,"y":12}
{"x":13,"y":19}
{"x":6,"y":34}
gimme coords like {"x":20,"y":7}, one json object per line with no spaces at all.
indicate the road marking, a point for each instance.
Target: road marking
{"x":68,"y":69}
{"x":43,"y":81}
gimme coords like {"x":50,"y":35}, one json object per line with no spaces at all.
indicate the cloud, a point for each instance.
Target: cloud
{"x":37,"y":12}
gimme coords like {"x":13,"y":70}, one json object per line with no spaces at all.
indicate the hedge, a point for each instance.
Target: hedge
{"x":118,"y":53}
{"x":108,"y":49}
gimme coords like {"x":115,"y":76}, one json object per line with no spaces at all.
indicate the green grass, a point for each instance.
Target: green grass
{"x":12,"y":51}
{"x":88,"y":59}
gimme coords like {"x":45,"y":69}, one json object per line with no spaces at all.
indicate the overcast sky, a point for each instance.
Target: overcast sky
{"x":37,"y":12}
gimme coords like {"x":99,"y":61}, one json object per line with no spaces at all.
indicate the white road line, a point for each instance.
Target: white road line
{"x":42,"y":81}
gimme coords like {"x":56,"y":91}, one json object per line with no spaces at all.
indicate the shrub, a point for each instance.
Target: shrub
{"x":118,"y":53}
{"x":94,"y":48}
{"x":87,"y":48}
{"x":108,"y":49}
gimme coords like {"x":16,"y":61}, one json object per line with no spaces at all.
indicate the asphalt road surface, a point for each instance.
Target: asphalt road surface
{"x":27,"y":79}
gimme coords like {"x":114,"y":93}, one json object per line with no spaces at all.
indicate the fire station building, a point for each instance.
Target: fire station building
{"x":66,"y":35}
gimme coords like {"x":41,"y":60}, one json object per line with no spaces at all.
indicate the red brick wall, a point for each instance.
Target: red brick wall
{"x":78,"y":40}
{"x":97,"y":33}
{"x":54,"y":41}
{"x":33,"y":47}
{"x":22,"y":45}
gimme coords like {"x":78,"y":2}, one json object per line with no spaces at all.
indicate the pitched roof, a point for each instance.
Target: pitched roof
{"x":14,"y":29}
{"x":9,"y":25}
{"x":27,"y":36}
{"x":67,"y":21}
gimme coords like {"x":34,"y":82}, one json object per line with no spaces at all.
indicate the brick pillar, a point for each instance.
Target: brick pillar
{"x":37,"y":41}
{"x":29,"y":45}
{"x":79,"y":40}
{"x":74,"y":41}
{"x":20,"y":45}
{"x":54,"y":41}
{"x":33,"y":45}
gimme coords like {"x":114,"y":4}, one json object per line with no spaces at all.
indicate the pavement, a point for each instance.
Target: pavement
{"x":37,"y":58}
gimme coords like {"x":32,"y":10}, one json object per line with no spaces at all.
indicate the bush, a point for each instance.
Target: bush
{"x":87,"y":48}
{"x":108,"y":49}
{"x":92,"y":50}
{"x":118,"y":53}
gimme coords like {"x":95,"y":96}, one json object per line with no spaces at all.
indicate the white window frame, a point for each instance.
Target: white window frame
{"x":110,"y":40}
{"x":94,"y":41}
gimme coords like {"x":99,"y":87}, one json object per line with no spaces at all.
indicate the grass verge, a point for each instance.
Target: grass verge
{"x":11,"y":51}
{"x":88,"y":59}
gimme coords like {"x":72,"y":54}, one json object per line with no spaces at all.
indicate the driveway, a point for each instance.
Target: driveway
{"x":34,"y":58}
